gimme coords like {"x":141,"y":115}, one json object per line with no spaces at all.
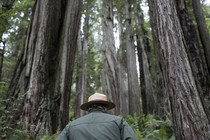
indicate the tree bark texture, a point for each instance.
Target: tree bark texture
{"x":189,"y":118}
{"x":123,"y":86}
{"x":41,"y":47}
{"x":68,"y":44}
{"x":133,"y":84}
{"x":44,"y":71}
{"x":200,"y":72}
{"x":162,"y":107}
{"x":111,"y":63}
{"x":203,"y":30}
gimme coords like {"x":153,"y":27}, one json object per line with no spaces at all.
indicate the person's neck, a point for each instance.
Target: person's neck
{"x":97,"y":110}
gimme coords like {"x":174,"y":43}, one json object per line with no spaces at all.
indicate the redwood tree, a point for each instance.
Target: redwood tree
{"x":193,"y":49}
{"x":147,"y":93}
{"x":133,"y":84}
{"x":189,"y":118}
{"x":43,"y":75}
{"x":82,"y":58}
{"x":111,"y":64}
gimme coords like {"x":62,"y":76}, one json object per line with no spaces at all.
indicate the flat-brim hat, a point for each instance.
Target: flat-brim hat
{"x":97,"y":98}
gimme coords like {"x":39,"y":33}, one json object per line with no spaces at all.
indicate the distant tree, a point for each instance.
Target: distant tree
{"x":121,"y":56}
{"x":111,"y":64}
{"x":203,"y":30}
{"x":147,"y":93}
{"x":133,"y":84}
{"x":82,"y":58}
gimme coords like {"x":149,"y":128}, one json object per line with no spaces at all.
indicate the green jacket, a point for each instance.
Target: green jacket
{"x":98,"y":126}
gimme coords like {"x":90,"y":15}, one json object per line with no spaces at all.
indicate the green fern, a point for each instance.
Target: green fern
{"x":147,"y":127}
{"x":49,"y":137}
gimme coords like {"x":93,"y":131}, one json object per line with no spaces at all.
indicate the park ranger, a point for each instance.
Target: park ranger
{"x":97,"y":124}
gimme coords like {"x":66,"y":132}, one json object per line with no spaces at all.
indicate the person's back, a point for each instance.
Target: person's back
{"x":97,"y":125}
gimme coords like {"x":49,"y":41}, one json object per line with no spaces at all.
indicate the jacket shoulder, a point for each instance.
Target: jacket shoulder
{"x":96,"y":118}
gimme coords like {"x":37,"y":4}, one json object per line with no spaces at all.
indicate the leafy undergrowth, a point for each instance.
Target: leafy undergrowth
{"x":147,"y":127}
{"x":11,"y":131}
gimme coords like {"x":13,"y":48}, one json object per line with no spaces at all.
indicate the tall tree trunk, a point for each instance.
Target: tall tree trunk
{"x":123,"y":86}
{"x":162,"y":107}
{"x":133,"y":84}
{"x":68,"y":44}
{"x":200,"y":72}
{"x":111,"y":64}
{"x":189,"y":118}
{"x":145,"y":76}
{"x":203,"y":30}
{"x":81,"y":73}
{"x":82,"y":59}
{"x":43,"y":40}
{"x":44,"y":71}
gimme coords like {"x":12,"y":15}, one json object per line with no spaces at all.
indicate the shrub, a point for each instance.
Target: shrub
{"x":147,"y":127}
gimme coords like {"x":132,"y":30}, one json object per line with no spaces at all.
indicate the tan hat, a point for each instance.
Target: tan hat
{"x":97,"y":98}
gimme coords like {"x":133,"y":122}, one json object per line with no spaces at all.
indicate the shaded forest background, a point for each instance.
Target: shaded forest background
{"x":152,"y":59}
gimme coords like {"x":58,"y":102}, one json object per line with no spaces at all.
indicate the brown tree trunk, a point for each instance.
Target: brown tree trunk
{"x":111,"y":64}
{"x":68,"y":44}
{"x":121,"y":55}
{"x":200,"y":72}
{"x":162,"y":107}
{"x":44,"y":71}
{"x":43,"y":40}
{"x":189,"y":118}
{"x":133,"y":84}
{"x":124,"y":99}
{"x":203,"y":30}
{"x":81,"y":73}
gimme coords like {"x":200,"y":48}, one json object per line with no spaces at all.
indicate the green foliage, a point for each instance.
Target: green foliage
{"x":18,"y":22}
{"x":207,"y":15}
{"x":149,"y":128}
{"x":8,"y":67}
{"x":3,"y":22}
{"x":8,"y":132}
{"x":3,"y":90}
{"x":49,"y":137}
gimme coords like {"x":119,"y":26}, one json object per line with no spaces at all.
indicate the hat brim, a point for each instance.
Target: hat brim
{"x":109,"y":105}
